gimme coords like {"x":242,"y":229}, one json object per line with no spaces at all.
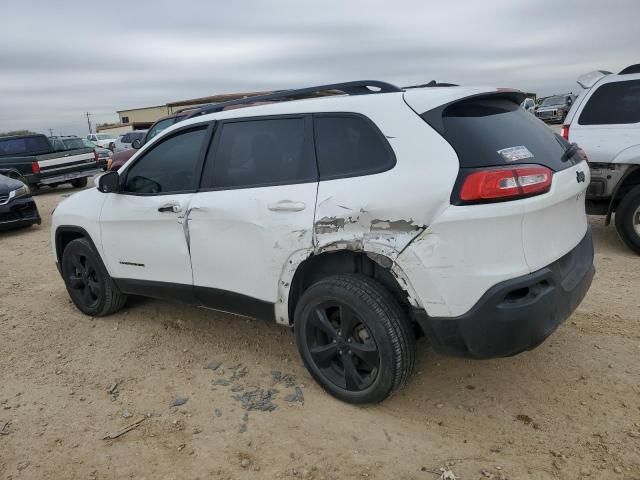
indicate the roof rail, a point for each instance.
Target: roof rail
{"x":631,"y":69}
{"x":432,"y":83}
{"x":358,"y":87}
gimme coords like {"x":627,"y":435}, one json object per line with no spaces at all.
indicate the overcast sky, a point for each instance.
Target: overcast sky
{"x":61,"y":59}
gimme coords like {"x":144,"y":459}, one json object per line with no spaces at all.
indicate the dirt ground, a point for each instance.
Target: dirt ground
{"x":569,"y":409}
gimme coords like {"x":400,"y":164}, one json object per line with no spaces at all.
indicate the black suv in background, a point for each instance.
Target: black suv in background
{"x":555,"y":107}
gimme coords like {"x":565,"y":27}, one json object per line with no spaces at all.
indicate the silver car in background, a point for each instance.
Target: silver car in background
{"x":124,"y":141}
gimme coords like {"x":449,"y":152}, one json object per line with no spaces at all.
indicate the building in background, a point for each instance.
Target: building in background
{"x":143,"y":118}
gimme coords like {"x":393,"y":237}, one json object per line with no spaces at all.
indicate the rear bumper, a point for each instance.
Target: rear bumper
{"x":517,"y":314}
{"x":20,"y":212}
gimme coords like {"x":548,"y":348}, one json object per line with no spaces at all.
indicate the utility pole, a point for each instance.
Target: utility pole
{"x":89,"y":122}
{"x":51,"y":132}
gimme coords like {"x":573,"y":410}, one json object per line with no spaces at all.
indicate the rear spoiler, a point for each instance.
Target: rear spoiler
{"x":434,"y":117}
{"x":588,"y":80}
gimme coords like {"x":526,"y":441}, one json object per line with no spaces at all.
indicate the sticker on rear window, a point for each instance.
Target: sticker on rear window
{"x":513,"y":154}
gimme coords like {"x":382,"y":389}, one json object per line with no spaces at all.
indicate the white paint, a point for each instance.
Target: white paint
{"x":134,"y":231}
{"x":251,"y":241}
{"x":66,"y":159}
{"x":465,"y":251}
{"x":410,"y":195}
{"x":618,"y":143}
{"x":468,"y":249}
{"x":555,"y":222}
{"x":82,"y":209}
{"x":241,"y":245}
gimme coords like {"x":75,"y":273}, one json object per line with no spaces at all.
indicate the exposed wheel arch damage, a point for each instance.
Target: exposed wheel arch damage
{"x":306,"y":268}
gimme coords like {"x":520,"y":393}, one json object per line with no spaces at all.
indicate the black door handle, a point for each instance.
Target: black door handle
{"x":170,"y":208}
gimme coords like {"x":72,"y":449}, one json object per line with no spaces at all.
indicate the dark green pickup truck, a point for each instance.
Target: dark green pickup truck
{"x":33,"y":160}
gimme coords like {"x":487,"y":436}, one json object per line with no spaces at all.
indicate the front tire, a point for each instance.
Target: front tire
{"x":354,"y":338}
{"x":628,"y":219}
{"x":89,"y":285}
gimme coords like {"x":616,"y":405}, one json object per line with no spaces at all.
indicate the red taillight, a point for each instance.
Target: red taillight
{"x":95,"y":155}
{"x":35,"y":168}
{"x":564,"y":132}
{"x":506,"y":183}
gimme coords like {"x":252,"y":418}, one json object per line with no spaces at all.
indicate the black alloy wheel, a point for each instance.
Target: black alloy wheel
{"x":341,"y":346}
{"x":354,"y":338}
{"x":88,"y":283}
{"x":83,"y":280}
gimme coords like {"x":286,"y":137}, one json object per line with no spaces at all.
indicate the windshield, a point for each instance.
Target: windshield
{"x":553,"y":101}
{"x":158,"y":127}
{"x":104,"y":136}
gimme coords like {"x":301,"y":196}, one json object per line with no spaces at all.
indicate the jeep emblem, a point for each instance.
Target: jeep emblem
{"x":580,"y":176}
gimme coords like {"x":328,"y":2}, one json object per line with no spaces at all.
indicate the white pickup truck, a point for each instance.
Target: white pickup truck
{"x":102,"y":139}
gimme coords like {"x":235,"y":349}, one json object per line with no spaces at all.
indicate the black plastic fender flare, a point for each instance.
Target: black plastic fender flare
{"x":614,"y":195}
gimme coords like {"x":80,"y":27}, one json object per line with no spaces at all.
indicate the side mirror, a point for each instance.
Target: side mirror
{"x":136,"y":144}
{"x":109,"y":182}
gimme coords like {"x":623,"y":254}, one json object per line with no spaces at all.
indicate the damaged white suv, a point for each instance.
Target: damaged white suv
{"x":362,"y":218}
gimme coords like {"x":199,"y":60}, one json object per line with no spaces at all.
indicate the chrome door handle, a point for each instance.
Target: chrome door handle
{"x":170,"y":207}
{"x":287,"y":206}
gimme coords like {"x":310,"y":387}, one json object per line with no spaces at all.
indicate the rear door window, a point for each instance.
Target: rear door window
{"x":350,"y":145}
{"x":494,"y":131}
{"x":253,"y":153}
{"x":613,"y":103}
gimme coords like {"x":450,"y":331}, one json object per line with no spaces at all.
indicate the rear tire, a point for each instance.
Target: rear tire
{"x":89,"y":285}
{"x":354,"y":338}
{"x":79,"y":183}
{"x":628,"y":219}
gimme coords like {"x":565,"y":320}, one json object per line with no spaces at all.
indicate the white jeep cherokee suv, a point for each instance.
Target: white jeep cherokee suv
{"x":363,"y":219}
{"x":605,"y":122}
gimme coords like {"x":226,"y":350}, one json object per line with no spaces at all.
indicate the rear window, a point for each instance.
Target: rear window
{"x":350,"y":145}
{"x":494,"y":131}
{"x":613,"y":103}
{"x":24,"y":146}
{"x":261,"y":152}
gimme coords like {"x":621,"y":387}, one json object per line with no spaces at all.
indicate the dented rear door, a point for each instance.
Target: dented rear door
{"x":254,"y":211}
